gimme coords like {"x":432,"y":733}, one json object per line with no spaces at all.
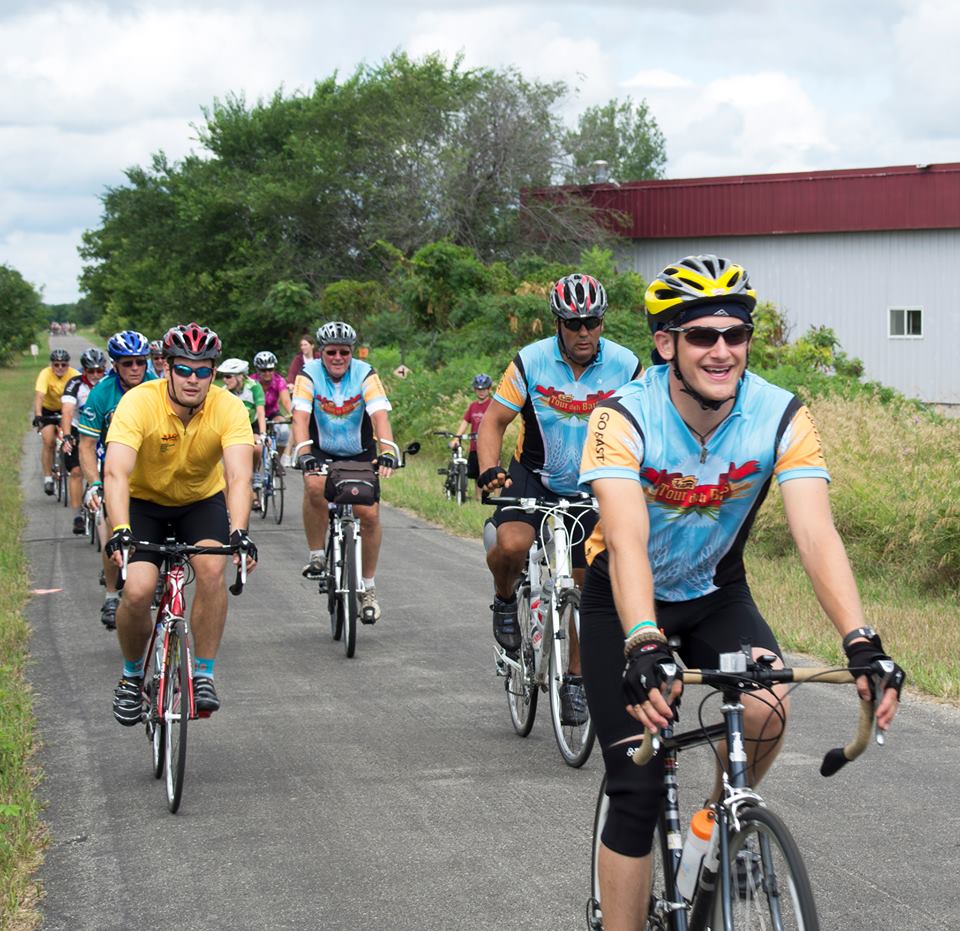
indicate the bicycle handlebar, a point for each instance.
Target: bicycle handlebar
{"x":533,"y":504}
{"x":411,"y":449}
{"x":185,"y":550}
{"x":834,"y":759}
{"x":456,"y":436}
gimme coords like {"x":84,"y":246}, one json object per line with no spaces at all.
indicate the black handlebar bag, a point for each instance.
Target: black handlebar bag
{"x":352,"y":483}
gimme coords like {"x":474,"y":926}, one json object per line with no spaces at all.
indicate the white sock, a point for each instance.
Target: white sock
{"x":316,"y":554}
{"x":368,"y":584}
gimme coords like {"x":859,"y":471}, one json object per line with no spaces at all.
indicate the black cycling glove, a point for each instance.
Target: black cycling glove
{"x":639,"y":676}
{"x":866,"y":657}
{"x":488,"y":476}
{"x":240,"y":539}
{"x":308,"y":463}
{"x":37,"y":421}
{"x":121,"y":538}
{"x":387,"y":461}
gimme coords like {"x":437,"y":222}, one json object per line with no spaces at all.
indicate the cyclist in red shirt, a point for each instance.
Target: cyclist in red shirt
{"x":482,"y":385}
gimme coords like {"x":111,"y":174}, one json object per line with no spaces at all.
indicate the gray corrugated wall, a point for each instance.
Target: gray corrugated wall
{"x":848,"y":281}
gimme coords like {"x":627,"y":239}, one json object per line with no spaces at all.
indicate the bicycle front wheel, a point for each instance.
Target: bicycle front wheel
{"x":277,"y":483}
{"x":574,"y":732}
{"x":522,"y":691}
{"x":154,"y":720}
{"x":334,"y":600}
{"x":461,"y":483}
{"x":769,"y":886}
{"x":176,"y":713}
{"x":349,"y":588}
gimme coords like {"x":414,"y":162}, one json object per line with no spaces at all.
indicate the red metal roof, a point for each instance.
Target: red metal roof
{"x":898,"y":198}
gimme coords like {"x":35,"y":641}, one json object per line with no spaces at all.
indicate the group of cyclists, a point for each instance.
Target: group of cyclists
{"x":676,"y":459}
{"x":164,"y":449}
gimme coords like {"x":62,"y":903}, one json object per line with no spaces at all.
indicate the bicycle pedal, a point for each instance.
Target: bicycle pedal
{"x":322,"y":586}
{"x":204,"y":714}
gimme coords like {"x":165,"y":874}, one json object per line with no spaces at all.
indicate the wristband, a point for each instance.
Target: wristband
{"x":647,"y":635}
{"x":95,"y":485}
{"x":122,"y":527}
{"x":867,"y":633}
{"x":639,"y":626}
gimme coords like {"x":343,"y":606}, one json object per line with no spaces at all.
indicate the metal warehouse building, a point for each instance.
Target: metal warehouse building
{"x":873,"y":253}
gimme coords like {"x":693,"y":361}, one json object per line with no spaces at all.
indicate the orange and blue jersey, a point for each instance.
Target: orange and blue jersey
{"x":341,"y":409}
{"x":701,"y":499}
{"x":555,"y":405}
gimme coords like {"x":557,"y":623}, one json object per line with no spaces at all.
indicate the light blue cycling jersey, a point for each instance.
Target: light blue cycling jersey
{"x":555,"y":406}
{"x":341,"y":423}
{"x":94,"y":417}
{"x":701,"y":499}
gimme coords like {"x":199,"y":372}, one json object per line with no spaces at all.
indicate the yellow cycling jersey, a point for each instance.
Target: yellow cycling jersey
{"x":51,"y":386}
{"x":178,"y":464}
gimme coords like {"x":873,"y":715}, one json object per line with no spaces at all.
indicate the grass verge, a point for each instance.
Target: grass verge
{"x":21,"y":833}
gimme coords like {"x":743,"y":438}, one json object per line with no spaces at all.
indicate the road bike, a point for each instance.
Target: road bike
{"x":342,"y":583}
{"x":273,"y":476}
{"x":59,"y":468}
{"x":168,"y":701}
{"x":455,"y":471}
{"x":752,"y":876}
{"x":548,"y":615}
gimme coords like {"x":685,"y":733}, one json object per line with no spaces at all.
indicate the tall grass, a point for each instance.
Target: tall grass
{"x":20,"y":828}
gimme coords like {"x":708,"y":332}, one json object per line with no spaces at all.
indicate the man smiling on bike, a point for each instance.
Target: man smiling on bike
{"x":680,"y":461}
{"x":553,"y":384}
{"x":339,"y":405}
{"x":173,"y":446}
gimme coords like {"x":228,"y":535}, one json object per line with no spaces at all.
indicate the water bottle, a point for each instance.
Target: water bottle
{"x":695,"y":848}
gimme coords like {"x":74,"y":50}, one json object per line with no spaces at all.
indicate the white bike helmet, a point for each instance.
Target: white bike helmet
{"x":233,"y":367}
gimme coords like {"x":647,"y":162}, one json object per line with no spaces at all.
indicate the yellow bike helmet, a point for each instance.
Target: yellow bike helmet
{"x":688,"y":288}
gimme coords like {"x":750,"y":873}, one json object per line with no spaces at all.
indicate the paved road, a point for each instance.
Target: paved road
{"x":389,"y":791}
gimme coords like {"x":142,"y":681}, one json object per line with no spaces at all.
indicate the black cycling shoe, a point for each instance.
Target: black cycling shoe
{"x":506,"y":630}
{"x":128,"y":701}
{"x":108,"y":613}
{"x":79,"y":525}
{"x":205,"y":695}
{"x":573,"y":702}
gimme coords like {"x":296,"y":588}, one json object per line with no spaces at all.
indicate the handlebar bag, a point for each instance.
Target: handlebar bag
{"x":352,"y":483}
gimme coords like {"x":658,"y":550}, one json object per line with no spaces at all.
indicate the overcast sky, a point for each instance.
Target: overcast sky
{"x":91,"y":88}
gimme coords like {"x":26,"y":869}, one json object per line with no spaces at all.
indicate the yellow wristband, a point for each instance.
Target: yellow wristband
{"x":122,"y":527}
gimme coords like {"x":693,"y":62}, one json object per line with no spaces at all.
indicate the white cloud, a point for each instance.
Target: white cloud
{"x":49,"y":261}
{"x":656,"y":79}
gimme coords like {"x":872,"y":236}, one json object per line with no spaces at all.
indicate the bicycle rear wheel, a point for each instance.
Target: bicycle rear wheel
{"x":348,"y":586}
{"x":277,"y":483}
{"x":522,"y":690}
{"x":176,"y":713}
{"x":659,"y":908}
{"x":154,"y":718}
{"x":334,"y":601}
{"x":574,"y":738}
{"x":770,"y":889}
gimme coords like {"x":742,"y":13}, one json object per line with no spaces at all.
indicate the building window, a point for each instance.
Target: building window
{"x":905,"y":323}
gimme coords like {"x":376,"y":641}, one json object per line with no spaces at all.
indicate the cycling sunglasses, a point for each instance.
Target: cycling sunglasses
{"x":574,"y":325}
{"x":704,"y":337}
{"x":59,"y":365}
{"x":95,"y":371}
{"x":331,"y":353}
{"x":130,"y":363}
{"x":184,"y":371}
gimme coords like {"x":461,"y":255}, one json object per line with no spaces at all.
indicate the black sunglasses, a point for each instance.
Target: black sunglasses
{"x":94,"y":371}
{"x":331,"y":353}
{"x":574,"y":324}
{"x":130,"y":363}
{"x":184,"y":371}
{"x":703,"y":337}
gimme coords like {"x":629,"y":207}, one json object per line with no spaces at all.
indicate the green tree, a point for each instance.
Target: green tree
{"x":623,"y":134}
{"x":22,"y":313}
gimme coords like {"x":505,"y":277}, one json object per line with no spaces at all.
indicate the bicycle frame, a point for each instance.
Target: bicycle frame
{"x":172,"y":608}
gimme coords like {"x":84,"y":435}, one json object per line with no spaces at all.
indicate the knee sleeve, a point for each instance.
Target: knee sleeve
{"x":636,"y":794}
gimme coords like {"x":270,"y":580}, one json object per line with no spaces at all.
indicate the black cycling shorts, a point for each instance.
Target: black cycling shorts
{"x":707,"y":626}
{"x":189,"y":523}
{"x":527,"y":484}
{"x":72,"y":459}
{"x":473,"y":465}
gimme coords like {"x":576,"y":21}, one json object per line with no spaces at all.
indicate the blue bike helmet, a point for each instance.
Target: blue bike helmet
{"x":128,"y":343}
{"x":482,"y":381}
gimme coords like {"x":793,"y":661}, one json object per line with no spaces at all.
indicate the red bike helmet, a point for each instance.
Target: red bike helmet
{"x":191,"y":341}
